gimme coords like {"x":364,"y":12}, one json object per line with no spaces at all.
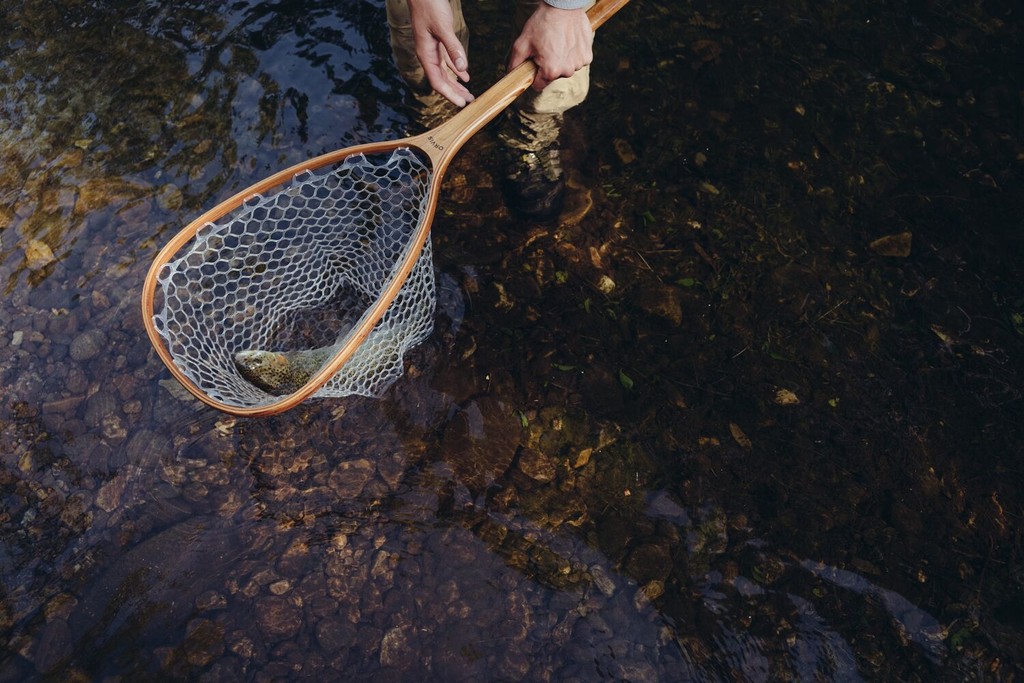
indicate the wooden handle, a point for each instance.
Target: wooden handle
{"x":602,"y":11}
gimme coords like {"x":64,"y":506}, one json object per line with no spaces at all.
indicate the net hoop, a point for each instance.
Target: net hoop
{"x":269,"y":405}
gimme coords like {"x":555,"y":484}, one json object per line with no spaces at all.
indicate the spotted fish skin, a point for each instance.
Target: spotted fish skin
{"x":281,"y":372}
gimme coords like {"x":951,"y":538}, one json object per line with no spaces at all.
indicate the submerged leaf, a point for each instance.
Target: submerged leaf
{"x":897,"y":245}
{"x":739,"y":437}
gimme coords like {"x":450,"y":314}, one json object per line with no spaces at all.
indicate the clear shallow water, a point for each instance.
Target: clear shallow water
{"x":572,"y":481}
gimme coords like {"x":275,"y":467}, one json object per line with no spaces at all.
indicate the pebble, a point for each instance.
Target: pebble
{"x":536,"y":465}
{"x":897,"y":245}
{"x":278,"y":618}
{"x":624,"y":151}
{"x":88,"y":345}
{"x":38,"y":255}
{"x":109,"y":496}
{"x":785,"y":397}
{"x":663,"y":301}
{"x":395,"y":650}
{"x":349,"y":478}
{"x":204,"y":641}
{"x":333,"y":635}
{"x":601,"y":579}
{"x":210,"y":600}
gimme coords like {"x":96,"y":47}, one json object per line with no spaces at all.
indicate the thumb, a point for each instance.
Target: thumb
{"x":456,"y":56}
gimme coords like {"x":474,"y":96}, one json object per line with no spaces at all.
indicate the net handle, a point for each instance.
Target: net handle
{"x":439,"y":144}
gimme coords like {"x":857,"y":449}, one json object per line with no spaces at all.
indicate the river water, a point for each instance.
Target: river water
{"x":749,"y":410}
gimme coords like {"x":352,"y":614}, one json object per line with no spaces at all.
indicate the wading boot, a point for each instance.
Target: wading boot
{"x":534,"y":182}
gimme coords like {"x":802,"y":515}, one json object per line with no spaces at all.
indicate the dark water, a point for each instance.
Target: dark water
{"x":751,"y":410}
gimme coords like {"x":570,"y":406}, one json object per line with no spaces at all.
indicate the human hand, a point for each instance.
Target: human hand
{"x":559,"y":41}
{"x":439,"y":50}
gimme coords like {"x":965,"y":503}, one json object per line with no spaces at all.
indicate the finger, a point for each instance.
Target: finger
{"x":546,"y":75}
{"x":457,"y":94}
{"x":443,"y":83}
{"x":519,"y":54}
{"x":540,"y":82}
{"x":449,"y":85}
{"x":588,"y":55}
{"x":455,"y":56}
{"x":446,"y":58}
{"x":453,"y":93}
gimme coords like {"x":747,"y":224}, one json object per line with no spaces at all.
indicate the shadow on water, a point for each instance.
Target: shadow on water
{"x":747,"y":411}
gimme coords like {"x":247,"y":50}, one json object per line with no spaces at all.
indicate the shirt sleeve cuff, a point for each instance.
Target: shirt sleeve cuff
{"x":569,"y":4}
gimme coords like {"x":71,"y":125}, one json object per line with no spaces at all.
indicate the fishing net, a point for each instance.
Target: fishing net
{"x":298,"y":269}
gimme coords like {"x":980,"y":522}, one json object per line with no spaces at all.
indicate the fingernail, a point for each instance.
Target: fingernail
{"x":460,"y":63}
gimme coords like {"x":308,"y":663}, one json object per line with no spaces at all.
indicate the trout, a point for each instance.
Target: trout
{"x":281,"y":372}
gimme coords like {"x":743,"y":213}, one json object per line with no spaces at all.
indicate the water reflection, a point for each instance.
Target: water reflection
{"x":124,"y":110}
{"x":568,"y":484}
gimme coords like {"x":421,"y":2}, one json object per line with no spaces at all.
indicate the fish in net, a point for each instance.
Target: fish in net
{"x":289,"y":275}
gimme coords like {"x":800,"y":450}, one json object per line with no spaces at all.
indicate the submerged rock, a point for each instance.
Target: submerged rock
{"x":896,"y":245}
{"x":662,"y":301}
{"x":278,"y":617}
{"x":38,"y":255}
{"x":349,"y":478}
{"x":536,"y":465}
{"x":87,"y":345}
{"x":204,"y":641}
{"x":395,"y":649}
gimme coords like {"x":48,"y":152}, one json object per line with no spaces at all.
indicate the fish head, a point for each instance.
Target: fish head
{"x":260,"y":362}
{"x":267,"y":370}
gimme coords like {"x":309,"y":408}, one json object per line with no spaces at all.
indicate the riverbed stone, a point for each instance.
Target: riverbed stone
{"x":204,"y":641}
{"x":278,"y":617}
{"x":349,"y":478}
{"x":537,"y":466}
{"x":395,"y":648}
{"x":88,"y":345}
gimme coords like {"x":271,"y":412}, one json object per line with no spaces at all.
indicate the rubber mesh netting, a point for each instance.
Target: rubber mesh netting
{"x":298,"y":269}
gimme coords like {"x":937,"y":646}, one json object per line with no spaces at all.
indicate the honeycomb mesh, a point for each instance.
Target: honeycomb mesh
{"x":297,"y":270}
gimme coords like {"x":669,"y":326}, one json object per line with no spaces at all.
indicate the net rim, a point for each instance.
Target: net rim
{"x":367,"y":322}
